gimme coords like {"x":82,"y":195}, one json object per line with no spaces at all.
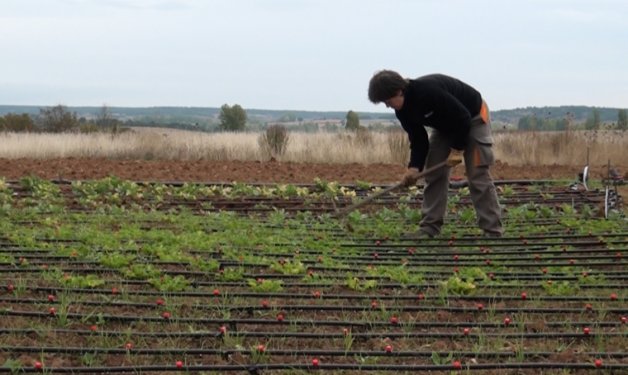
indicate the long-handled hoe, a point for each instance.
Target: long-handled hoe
{"x":343,"y":212}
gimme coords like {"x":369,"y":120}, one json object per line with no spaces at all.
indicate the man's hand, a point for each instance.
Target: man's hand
{"x":455,"y":157}
{"x":411,"y":177}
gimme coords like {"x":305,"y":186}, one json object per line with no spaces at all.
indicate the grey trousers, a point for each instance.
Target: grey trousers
{"x":478,"y":156}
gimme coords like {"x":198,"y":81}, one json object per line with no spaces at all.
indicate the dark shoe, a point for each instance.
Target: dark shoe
{"x":492,"y":234}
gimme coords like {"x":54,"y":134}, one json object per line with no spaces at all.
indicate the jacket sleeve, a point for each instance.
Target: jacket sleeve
{"x":419,"y":146}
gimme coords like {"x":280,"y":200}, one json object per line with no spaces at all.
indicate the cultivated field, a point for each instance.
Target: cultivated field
{"x":110,"y":276}
{"x":126,"y":255}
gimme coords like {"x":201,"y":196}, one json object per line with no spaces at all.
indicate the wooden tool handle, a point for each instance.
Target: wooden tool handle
{"x":370,"y":198}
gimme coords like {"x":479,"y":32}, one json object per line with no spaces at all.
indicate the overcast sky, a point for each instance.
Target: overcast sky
{"x":308,"y":54}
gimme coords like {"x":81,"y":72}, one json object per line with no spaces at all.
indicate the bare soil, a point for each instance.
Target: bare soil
{"x":255,"y":171}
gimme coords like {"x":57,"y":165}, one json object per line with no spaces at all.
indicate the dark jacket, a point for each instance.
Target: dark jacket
{"x":443,"y":103}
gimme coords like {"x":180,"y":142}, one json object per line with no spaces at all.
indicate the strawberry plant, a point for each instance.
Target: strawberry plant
{"x":287,"y":267}
{"x":141,"y":271}
{"x":458,"y":286}
{"x":358,"y":284}
{"x":87,"y":281}
{"x":265,"y":286}
{"x":116,"y":260}
{"x":205,"y":265}
{"x":167,"y":283}
{"x":231,"y":274}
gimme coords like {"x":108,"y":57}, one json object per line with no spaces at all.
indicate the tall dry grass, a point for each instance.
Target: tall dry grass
{"x":515,"y":148}
{"x":562,"y":148}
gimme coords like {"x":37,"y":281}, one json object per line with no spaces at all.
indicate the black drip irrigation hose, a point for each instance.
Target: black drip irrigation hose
{"x":233,"y":323}
{"x":243,"y":204}
{"x":522,"y":245}
{"x":226,"y":294}
{"x":329,"y":336}
{"x":258,"y":368}
{"x":340,"y":273}
{"x":389,"y":251}
{"x":591,"y":264}
{"x":422,"y":286}
{"x":299,"y":353}
{"x":251,"y":309}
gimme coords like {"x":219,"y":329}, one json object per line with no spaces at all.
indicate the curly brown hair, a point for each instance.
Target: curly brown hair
{"x":385,"y":84}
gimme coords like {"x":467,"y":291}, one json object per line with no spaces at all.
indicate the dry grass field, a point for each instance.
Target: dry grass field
{"x":513,"y":148}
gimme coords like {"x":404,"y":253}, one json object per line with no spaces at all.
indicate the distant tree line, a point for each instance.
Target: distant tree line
{"x":59,"y":119}
{"x":593,"y":122}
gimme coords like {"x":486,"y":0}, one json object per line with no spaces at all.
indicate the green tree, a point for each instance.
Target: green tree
{"x":105,"y":120}
{"x":232,"y":118}
{"x":58,"y":119}
{"x":562,"y":124}
{"x":527,"y":123}
{"x":593,"y":122}
{"x":622,"y":120}
{"x":17,"y":123}
{"x":352,"y":121}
